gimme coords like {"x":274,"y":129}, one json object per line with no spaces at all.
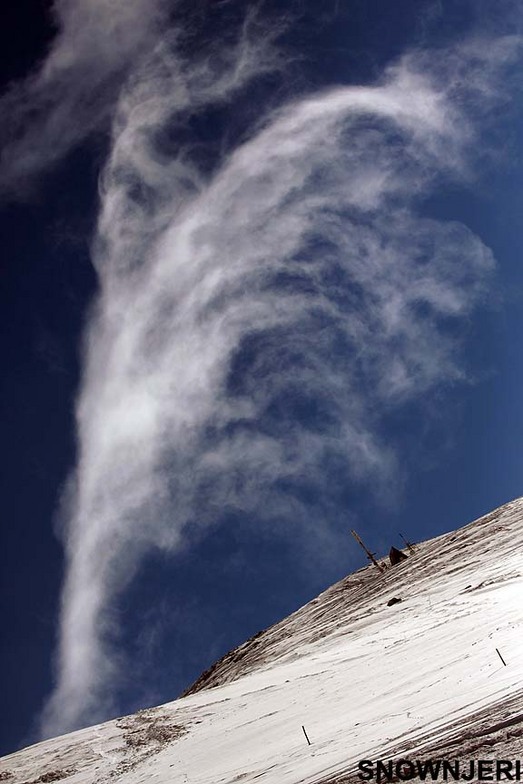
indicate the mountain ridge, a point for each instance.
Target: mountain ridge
{"x":422,"y":678}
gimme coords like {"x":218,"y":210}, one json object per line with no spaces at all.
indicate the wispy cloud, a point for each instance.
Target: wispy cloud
{"x":74,"y":90}
{"x":255,"y":325}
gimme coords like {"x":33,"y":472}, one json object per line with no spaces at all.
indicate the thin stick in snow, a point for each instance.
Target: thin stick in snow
{"x":501,"y":657}
{"x":304,"y":732}
{"x":409,"y":544}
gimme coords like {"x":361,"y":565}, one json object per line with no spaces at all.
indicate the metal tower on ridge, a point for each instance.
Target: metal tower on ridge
{"x":370,"y":555}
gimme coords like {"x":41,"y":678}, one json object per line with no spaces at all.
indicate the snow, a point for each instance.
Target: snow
{"x":418,"y":679}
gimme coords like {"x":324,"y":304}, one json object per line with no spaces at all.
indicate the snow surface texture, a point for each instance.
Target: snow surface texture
{"x":420,"y":679}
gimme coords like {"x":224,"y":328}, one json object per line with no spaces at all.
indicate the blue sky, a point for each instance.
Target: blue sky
{"x":261,"y":285}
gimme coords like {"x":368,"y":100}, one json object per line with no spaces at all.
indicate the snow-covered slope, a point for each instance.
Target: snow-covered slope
{"x":418,"y":679}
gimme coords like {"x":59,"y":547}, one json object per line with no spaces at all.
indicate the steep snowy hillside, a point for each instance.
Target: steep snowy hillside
{"x":422,"y":678}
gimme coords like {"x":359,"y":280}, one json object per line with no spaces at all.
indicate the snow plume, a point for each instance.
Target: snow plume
{"x":75,"y":88}
{"x":260,"y":317}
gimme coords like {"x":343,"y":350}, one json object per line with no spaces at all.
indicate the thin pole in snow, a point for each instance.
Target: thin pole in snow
{"x":409,"y":544}
{"x":501,"y":657}
{"x":305,"y":733}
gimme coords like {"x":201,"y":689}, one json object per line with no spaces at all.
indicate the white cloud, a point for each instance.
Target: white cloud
{"x":298,"y":278}
{"x":74,"y":90}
